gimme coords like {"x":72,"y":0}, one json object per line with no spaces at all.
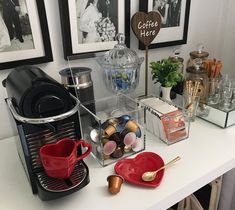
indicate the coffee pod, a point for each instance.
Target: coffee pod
{"x":94,"y":135}
{"x":114,"y":183}
{"x":138,"y":133}
{"x":119,"y":128}
{"x":109,"y":147}
{"x":110,"y":129}
{"x":116,"y":137}
{"x":129,"y":139}
{"x":124,"y":119}
{"x":132,"y":126}
{"x":117,"y":153}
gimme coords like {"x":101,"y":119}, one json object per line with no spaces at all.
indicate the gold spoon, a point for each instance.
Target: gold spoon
{"x":150,"y":175}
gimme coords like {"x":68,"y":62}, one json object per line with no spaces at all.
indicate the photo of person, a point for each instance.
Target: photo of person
{"x":14,"y":18}
{"x":174,"y":13}
{"x":169,"y":10}
{"x":96,"y":20}
{"x":88,"y":20}
{"x":162,"y":7}
{"x":11,"y":10}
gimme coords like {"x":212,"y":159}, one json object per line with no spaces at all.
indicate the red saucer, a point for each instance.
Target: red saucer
{"x":131,"y":169}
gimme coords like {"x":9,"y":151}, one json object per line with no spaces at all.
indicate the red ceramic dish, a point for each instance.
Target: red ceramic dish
{"x":131,"y":169}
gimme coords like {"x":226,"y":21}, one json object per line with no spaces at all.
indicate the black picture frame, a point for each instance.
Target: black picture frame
{"x":45,"y":44}
{"x":74,"y":49}
{"x":166,"y":38}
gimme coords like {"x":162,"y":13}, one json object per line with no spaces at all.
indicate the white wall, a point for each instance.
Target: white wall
{"x":206,"y":23}
{"x":227,"y":47}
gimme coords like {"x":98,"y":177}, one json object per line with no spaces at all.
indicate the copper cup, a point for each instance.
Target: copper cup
{"x":114,"y":183}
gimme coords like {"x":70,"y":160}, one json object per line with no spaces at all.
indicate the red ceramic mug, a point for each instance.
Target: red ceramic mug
{"x":60,"y":158}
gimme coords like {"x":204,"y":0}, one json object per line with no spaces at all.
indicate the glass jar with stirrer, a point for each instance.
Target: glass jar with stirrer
{"x":196,"y":84}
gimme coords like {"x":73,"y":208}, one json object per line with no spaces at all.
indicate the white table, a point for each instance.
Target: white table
{"x":208,"y":153}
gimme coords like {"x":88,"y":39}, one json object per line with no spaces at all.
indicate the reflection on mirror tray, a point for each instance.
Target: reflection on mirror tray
{"x":221,"y":117}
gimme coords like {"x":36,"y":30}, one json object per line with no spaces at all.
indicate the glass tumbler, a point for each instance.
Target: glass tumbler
{"x":214,"y":87}
{"x":227,"y":89}
{"x":190,"y":105}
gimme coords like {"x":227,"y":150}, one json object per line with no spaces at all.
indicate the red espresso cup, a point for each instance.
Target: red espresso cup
{"x":60,"y":158}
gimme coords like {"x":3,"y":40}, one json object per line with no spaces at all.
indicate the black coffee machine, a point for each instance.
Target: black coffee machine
{"x":44,"y":112}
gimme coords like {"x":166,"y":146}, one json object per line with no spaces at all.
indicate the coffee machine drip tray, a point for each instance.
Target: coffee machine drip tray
{"x":79,"y":174}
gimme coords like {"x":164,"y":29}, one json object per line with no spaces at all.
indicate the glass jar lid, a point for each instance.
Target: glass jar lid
{"x":199,"y":53}
{"x":120,"y":56}
{"x":175,"y":56}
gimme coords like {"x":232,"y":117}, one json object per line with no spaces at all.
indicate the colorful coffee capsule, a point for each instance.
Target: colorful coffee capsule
{"x":109,"y":130}
{"x":116,"y":137}
{"x":104,"y":125}
{"x":119,"y":128}
{"x":138,"y":133}
{"x":117,"y":153}
{"x":132,"y":126}
{"x":124,"y":119}
{"x":129,"y":139}
{"x":94,"y":135}
{"x":114,"y":183}
{"x":109,"y":147}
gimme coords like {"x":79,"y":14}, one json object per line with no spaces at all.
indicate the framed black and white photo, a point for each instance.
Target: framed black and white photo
{"x":24,"y":39}
{"x":90,"y":26}
{"x":175,"y":18}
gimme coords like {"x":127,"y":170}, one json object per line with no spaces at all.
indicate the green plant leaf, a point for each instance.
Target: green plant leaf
{"x":166,"y":72}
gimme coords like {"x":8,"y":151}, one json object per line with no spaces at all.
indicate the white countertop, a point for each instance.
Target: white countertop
{"x":205,"y":155}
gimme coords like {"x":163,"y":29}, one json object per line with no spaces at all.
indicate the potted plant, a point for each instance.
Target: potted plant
{"x":167,"y":73}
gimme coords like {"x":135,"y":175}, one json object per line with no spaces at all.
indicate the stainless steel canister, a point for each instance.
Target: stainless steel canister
{"x":78,"y":81}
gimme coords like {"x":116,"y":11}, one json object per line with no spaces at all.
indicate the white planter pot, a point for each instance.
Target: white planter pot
{"x":166,"y":93}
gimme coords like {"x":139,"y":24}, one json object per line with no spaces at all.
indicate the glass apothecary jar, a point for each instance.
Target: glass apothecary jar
{"x":177,"y":89}
{"x":121,"y":67}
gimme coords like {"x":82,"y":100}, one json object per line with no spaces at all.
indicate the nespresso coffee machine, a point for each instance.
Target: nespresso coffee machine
{"x":44,"y":112}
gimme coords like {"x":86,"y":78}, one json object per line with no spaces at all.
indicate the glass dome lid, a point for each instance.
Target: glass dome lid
{"x":120,"y":56}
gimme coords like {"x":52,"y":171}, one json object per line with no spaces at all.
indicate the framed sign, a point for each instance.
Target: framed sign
{"x":174,"y":25}
{"x":90,"y":26}
{"x":24,"y":39}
